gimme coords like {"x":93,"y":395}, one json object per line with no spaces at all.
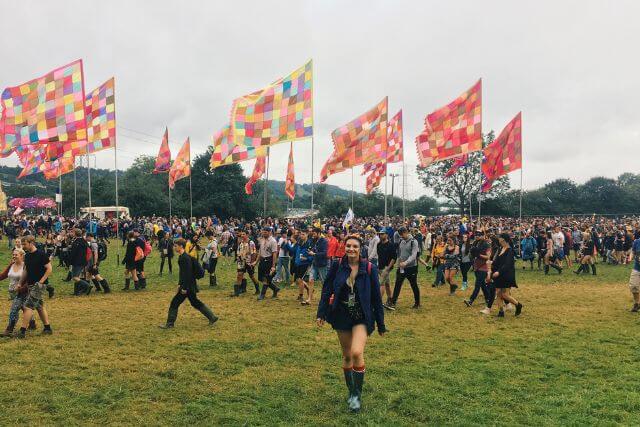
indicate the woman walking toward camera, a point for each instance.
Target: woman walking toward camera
{"x":352,"y":304}
{"x":503,"y":274}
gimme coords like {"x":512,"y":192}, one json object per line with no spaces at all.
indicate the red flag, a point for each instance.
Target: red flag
{"x":163,"y":161}
{"x":362,"y":140}
{"x":452,"y":130}
{"x":181,"y":167}
{"x":60,"y":167}
{"x":374,"y":178}
{"x":258,"y":171}
{"x":460,"y":162}
{"x":290,"y":184}
{"x":503,"y":155}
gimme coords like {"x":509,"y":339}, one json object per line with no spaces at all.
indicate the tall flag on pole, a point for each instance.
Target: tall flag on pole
{"x":163,"y":161}
{"x":459,"y":162}
{"x":100,"y":111}
{"x":362,"y":140}
{"x":280,"y":112}
{"x":374,"y":178}
{"x":181,"y":167}
{"x":394,"y":154}
{"x":290,"y":183}
{"x":226,"y":153}
{"x":452,"y":130}
{"x":258,"y":170}
{"x":48,"y":109}
{"x":63,"y":166}
{"x":504,"y":154}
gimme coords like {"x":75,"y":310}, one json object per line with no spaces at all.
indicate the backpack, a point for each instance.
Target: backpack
{"x":147,"y":248}
{"x":102,"y":251}
{"x":89,"y":254}
{"x":198,"y":270}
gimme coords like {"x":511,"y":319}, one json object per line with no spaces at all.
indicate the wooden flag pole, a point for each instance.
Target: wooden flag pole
{"x":266,"y":183}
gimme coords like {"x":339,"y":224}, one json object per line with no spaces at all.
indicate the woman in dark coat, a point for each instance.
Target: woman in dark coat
{"x":503,"y":274}
{"x":352,"y":304}
{"x":129,"y":262}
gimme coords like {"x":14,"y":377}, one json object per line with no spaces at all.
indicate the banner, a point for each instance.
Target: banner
{"x":181,"y":167}
{"x":290,"y":183}
{"x":504,"y":154}
{"x":280,"y":112}
{"x":362,"y":140}
{"x":258,"y":170}
{"x":457,"y":164}
{"x":452,"y":130}
{"x":45,"y":110}
{"x":225,"y":153}
{"x":374,"y":178}
{"x":163,"y":161}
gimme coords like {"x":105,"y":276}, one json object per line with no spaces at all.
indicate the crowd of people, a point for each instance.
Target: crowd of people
{"x":352,"y":263}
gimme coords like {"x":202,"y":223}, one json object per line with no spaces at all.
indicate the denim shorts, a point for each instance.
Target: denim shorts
{"x":318,"y":274}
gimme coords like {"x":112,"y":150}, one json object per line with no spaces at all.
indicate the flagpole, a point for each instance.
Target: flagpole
{"x":386,"y":215}
{"x":75,"y":190}
{"x":60,"y":188}
{"x":266,"y":183}
{"x":312,"y":143}
{"x":404,"y":185}
{"x":480,"y":193}
{"x":169,"y":200}
{"x":190,"y":199}
{"x":115,"y":165}
{"x":89,"y":179}
{"x":352,"y":179}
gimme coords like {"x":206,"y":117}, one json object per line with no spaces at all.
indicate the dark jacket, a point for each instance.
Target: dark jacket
{"x":368,"y":290}
{"x":319,"y":248}
{"x":166,"y":244}
{"x":78,"y":254}
{"x":187,"y":280}
{"x":505,"y":265}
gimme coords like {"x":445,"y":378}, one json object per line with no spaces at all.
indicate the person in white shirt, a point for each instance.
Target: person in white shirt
{"x":372,"y":249}
{"x":283,"y":259}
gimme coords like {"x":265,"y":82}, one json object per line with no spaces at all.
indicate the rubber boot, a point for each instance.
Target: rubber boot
{"x":348,"y":379}
{"x":262,"y":293}
{"x":171,"y":319}
{"x":243,"y":286}
{"x":51,"y":290}
{"x":580,"y":269}
{"x":127,"y":282}
{"x":593,"y":269}
{"x":236,"y":291}
{"x":136,"y":285}
{"x":208,"y":314}
{"x":68,"y":278}
{"x":275,"y":290}
{"x":32,"y":325}
{"x":84,"y":288}
{"x":96,"y":283}
{"x":212,"y":280}
{"x":76,"y":288}
{"x":358,"y":381}
{"x":142,"y":282}
{"x":105,"y":286}
{"x":9,"y":331}
{"x":257,"y":286}
{"x":546,"y":269}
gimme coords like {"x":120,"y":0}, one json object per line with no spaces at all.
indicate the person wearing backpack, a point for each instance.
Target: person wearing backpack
{"x":145,"y":246}
{"x":187,"y":287}
{"x":79,"y":256}
{"x":528,"y":245}
{"x":407,"y":267}
{"x":352,"y":304}
{"x":98,"y":281}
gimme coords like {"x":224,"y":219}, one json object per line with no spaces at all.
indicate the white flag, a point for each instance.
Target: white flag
{"x":348,"y":218}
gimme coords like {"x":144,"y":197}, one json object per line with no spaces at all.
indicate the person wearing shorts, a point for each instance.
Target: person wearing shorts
{"x":302,"y":260}
{"x":268,"y":253}
{"x":318,"y":250}
{"x":93,"y":271}
{"x":634,"y":279}
{"x":386,"y":260}
{"x":36,"y":272}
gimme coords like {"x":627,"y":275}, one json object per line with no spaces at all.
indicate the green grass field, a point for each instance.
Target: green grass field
{"x":570,"y":359}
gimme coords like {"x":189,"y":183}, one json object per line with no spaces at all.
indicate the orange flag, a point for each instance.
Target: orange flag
{"x":258,"y":171}
{"x":181,"y":167}
{"x":163,"y":161}
{"x":290,"y":184}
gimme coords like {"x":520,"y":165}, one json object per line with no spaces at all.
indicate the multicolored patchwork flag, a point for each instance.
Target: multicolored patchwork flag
{"x":394,"y":143}
{"x":258,"y":170}
{"x":45,"y":110}
{"x":459,"y":162}
{"x":163,"y":161}
{"x":101,"y":125}
{"x":181,"y":167}
{"x":504,"y":154}
{"x":225,"y":153}
{"x":362,"y":140}
{"x":290,"y":183}
{"x":280,"y":112}
{"x":60,"y":167}
{"x":374,"y":178}
{"x":452,"y":130}
{"x":101,"y":117}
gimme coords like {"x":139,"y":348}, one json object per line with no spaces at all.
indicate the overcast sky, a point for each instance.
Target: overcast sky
{"x":571,"y":67}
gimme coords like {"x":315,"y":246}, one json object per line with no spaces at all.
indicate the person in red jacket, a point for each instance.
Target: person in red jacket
{"x":332,"y":247}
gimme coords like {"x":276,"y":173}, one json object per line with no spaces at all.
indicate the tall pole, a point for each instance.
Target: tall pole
{"x":190,"y":192}
{"x":352,"y":180}
{"x":60,"y":190}
{"x":393,"y":183}
{"x":312,"y":143}
{"x":115,"y":165}
{"x":386,"y":214}
{"x":404,"y":185}
{"x":89,"y":179}
{"x":169,"y":200}
{"x":266,"y":183}
{"x":75,"y":190}
{"x":479,"y":193}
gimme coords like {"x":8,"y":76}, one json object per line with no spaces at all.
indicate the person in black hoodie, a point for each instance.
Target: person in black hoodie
{"x":165,"y":246}
{"x":187,"y":288}
{"x":78,"y":258}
